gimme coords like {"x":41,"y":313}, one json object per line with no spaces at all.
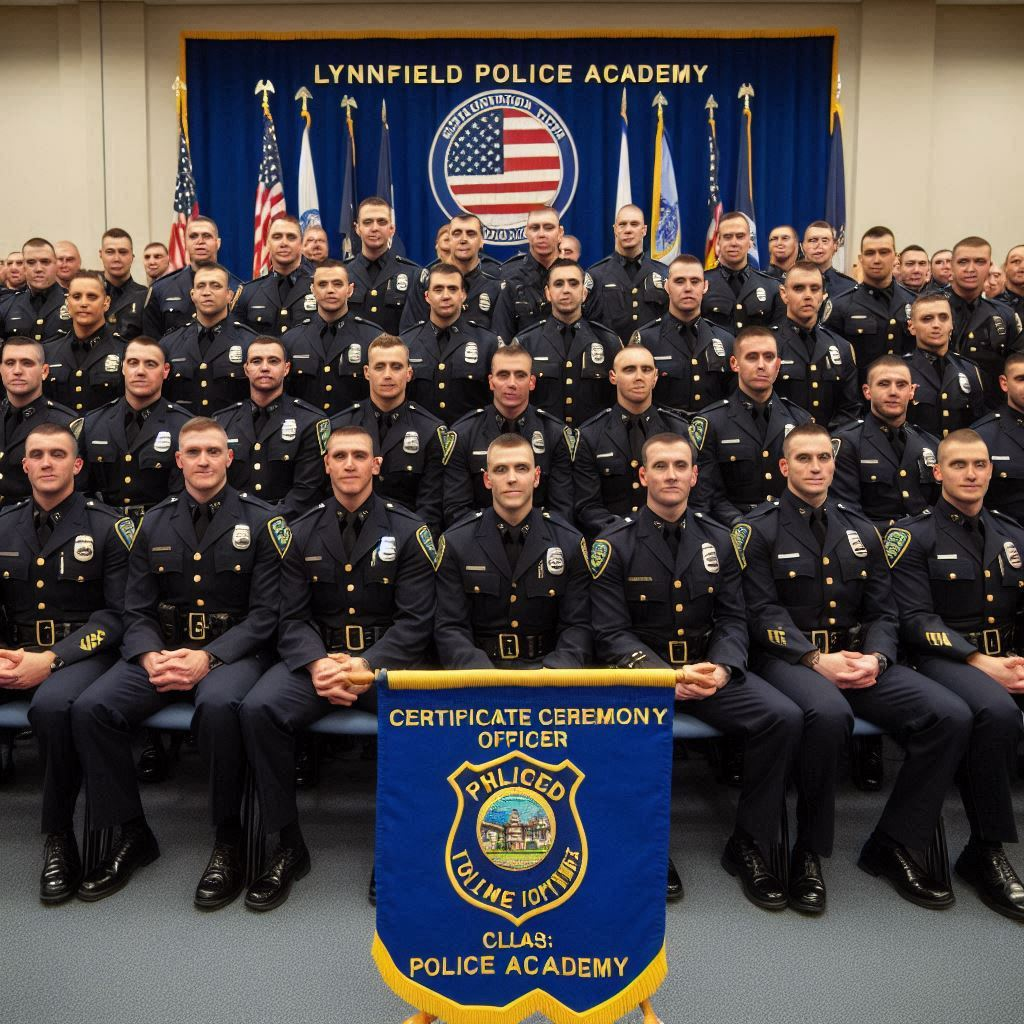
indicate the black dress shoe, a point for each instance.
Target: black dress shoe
{"x":307,"y":768}
{"x":222,"y":880}
{"x":674,"y":890}
{"x":62,"y":868}
{"x":895,"y":864}
{"x":271,"y":889}
{"x":135,"y":849}
{"x":152,"y":764}
{"x":806,"y":884}
{"x":371,"y":893}
{"x":868,"y":770}
{"x":744,"y":860}
{"x":990,"y":872}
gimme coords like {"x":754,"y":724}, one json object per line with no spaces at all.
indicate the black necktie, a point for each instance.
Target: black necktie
{"x":818,"y":527}
{"x":672,"y":535}
{"x":44,"y":526}
{"x":206,"y":336}
{"x":349,"y":532}
{"x":760,"y":414}
{"x":509,"y":426}
{"x":632,"y":268}
{"x":284,"y":286}
{"x":372,"y":271}
{"x":636,"y":430}
{"x":201,"y":519}
{"x":975,"y":537}
{"x":443,"y":337}
{"x":383,"y":426}
{"x":133,"y":426}
{"x":898,"y":440}
{"x":736,"y":278}
{"x":259,"y":418}
{"x":37,"y":299}
{"x":513,"y":540}
{"x":331,"y":329}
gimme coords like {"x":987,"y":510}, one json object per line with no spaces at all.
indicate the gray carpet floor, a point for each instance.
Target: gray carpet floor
{"x":145,"y":956}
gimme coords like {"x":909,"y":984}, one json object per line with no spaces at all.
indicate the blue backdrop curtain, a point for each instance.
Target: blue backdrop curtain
{"x":792,"y":75}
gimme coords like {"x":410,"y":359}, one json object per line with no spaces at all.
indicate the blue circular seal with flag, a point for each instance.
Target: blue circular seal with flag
{"x":499,"y":155}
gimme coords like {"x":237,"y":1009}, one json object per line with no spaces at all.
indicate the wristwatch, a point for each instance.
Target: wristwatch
{"x":214,"y":661}
{"x":811,"y":658}
{"x":883,"y":661}
{"x":57,"y":663}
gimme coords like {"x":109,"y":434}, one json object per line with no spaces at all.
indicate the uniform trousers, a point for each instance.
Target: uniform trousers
{"x":50,"y":716}
{"x":931,"y":725}
{"x":107,"y":714}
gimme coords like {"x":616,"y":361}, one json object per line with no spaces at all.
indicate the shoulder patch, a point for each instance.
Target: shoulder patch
{"x":441,"y":545}
{"x":836,"y":445}
{"x":896,"y":542}
{"x":125,"y":529}
{"x":740,"y":535}
{"x":447,"y":438}
{"x":426,"y":541}
{"x":572,"y":441}
{"x":583,"y":548}
{"x":323,"y":432}
{"x":698,"y":431}
{"x":280,"y":534}
{"x":75,"y":426}
{"x":600,"y":553}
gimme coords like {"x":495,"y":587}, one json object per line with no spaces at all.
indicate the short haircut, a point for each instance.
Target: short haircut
{"x":372,"y":201}
{"x":504,"y":442}
{"x":807,"y":266}
{"x":823,"y":225}
{"x":733,"y":215}
{"x":23,"y":341}
{"x":333,"y":264}
{"x":266,"y":339}
{"x":201,"y":218}
{"x":287,"y":218}
{"x":1009,"y":252}
{"x":687,"y":260}
{"x":543,"y":209}
{"x":352,"y":430}
{"x":630,"y":206}
{"x":314,"y":227}
{"x":808,"y":430}
{"x":752,"y":331}
{"x":631,"y":347}
{"x":878,"y":231}
{"x":443,"y":229}
{"x":963,"y":436}
{"x":913,"y":248}
{"x":386,"y":340}
{"x":564,"y":261}
{"x":214,"y":266}
{"x":783,"y":227}
{"x":448,"y":270}
{"x":51,"y":429}
{"x":38,"y":243}
{"x":117,"y":233}
{"x":198,"y":424}
{"x":513,"y":348}
{"x":887,"y":361}
{"x":90,"y":275}
{"x":972,"y":242}
{"x":467,"y":216}
{"x":146,"y":342}
{"x":939,"y":252}
{"x":155,"y":245}
{"x":664,"y":438}
{"x":1012,"y":360}
{"x":926,"y":298}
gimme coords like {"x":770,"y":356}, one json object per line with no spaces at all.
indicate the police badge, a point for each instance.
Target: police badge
{"x":289,"y":430}
{"x":354,"y":353}
{"x":856,"y":544}
{"x":64,"y":314}
{"x":484,"y":302}
{"x":762,"y":295}
{"x":555,"y":561}
{"x":965,"y":384}
{"x":928,"y":456}
{"x":162,"y":441}
{"x":241,"y":538}
{"x":387,"y":550}
{"x":402,"y":283}
{"x":411,"y":442}
{"x":235,"y":354}
{"x":596,"y":353}
{"x":710,"y":557}
{"x":1012,"y":554}
{"x":718,"y":347}
{"x":309,"y":303}
{"x":537,"y":442}
{"x":472,"y":352}
{"x":657,"y":280}
{"x":112,"y":363}
{"x":833,"y":354}
{"x":85,"y":548}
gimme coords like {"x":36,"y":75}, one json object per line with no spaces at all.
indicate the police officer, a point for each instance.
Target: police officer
{"x":512,"y":581}
{"x":156,"y":261}
{"x":606,"y":464}
{"x":85,"y":364}
{"x":782,"y":251}
{"x":62,"y":588}
{"x":277,"y":441}
{"x":571,"y":356}
{"x":553,"y":443}
{"x":170,"y":303}
{"x":127,"y":296}
{"x":14,"y":275}
{"x":38,"y":311}
{"x":819,"y":370}
{"x":666,"y":593}
{"x":207,"y":353}
{"x":128,"y":444}
{"x":277,"y":301}
{"x":948,"y":390}
{"x":737,"y":294}
{"x":69,"y":262}
{"x":942,"y":267}
{"x":984,"y":330}
{"x":883,"y":464}
{"x":201,"y":606}
{"x":1013,"y":295}
{"x":358,"y":575}
{"x":449,"y":354}
{"x":315,"y":245}
{"x":381,"y":278}
{"x":820,"y":246}
{"x":873,"y":317}
{"x":328,"y":351}
{"x":23,"y":369}
{"x":629,"y":286}
{"x":690,"y":351}
{"x":915,"y":272}
{"x":825,"y":634}
{"x":410,"y":442}
{"x":738,"y":441}
{"x":466,"y":239}
{"x":959,"y":586}
{"x":1003,"y":434}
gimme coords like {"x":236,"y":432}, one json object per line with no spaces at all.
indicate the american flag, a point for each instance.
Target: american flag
{"x":186,"y":203}
{"x":714,"y":195}
{"x":503,"y":164}
{"x":269,"y":197}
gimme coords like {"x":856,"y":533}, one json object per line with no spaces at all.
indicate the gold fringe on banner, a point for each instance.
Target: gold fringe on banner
{"x":642,"y":987}
{"x":460,"y":679}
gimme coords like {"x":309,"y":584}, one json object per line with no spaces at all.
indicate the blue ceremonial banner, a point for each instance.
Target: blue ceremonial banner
{"x":835,"y":196}
{"x":522,"y":838}
{"x":499,"y":125}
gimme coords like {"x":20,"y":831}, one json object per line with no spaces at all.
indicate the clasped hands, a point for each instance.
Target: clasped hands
{"x":340,"y":677}
{"x":22,"y":670}
{"x":695,"y":682}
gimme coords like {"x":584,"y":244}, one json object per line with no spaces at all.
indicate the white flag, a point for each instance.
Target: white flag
{"x":309,"y":203}
{"x":624,"y":191}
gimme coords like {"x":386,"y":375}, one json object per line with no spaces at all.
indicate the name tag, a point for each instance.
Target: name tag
{"x":869,"y":462}
{"x":794,"y":554}
{"x":729,"y":440}
{"x":604,"y":455}
{"x":314,"y":558}
{"x":952,"y":556}
{"x":1000,"y":458}
{"x":476,"y":568}
{"x":656,"y":358}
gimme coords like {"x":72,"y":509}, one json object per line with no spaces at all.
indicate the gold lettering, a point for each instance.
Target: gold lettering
{"x":317,"y":79}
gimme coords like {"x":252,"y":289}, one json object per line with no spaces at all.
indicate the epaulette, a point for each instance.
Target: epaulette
{"x":514,"y":259}
{"x":358,"y":319}
{"x":599,"y":328}
{"x":402,"y":511}
{"x":761,"y":273}
{"x":596,"y":417}
{"x":301,"y":403}
{"x":99,"y":506}
{"x":14,"y":507}
{"x":251,"y":499}
{"x":543,"y":414}
{"x":600,"y":263}
{"x":710,"y":521}
{"x":465,"y":520}
{"x":169,"y":502}
{"x":559,"y":520}
{"x":419,"y":323}
{"x":305,"y":515}
{"x":404,"y":259}
{"x":1006,"y":518}
{"x":617,"y":527}
{"x":763,"y":509}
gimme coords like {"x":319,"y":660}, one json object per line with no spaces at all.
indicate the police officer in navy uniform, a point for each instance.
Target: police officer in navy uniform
{"x":824,"y":629}
{"x":170,"y":303}
{"x":201,"y":607}
{"x":62,"y":587}
{"x":571,"y":355}
{"x":820,"y":246}
{"x":277,"y":441}
{"x":23,"y":369}
{"x":984,"y":330}
{"x":127,"y":296}
{"x":85,"y":364}
{"x":737,"y":294}
{"x":381,"y":278}
{"x":358,"y":575}
{"x":915,"y":272}
{"x":38,"y":311}
{"x":874,"y":316}
{"x":667,"y":594}
{"x":783,"y":251}
{"x":449,"y":354}
{"x":277,"y":301}
{"x":512,"y":581}
{"x":629,"y":286}
{"x":883,"y":464}
{"x":206,"y":355}
{"x":606,"y":464}
{"x":1013,"y":268}
{"x":553,"y":443}
{"x":466,"y":240}
{"x":328,"y":351}
{"x":738,"y":441}
{"x":819,"y":369}
{"x":948,"y":389}
{"x":691,"y":352}
{"x":959,"y":584}
{"x":410,"y":442}
{"x":1003,"y":433}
